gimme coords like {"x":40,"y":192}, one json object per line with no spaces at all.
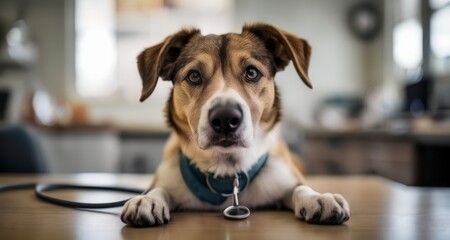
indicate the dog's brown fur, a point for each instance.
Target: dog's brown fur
{"x":222,"y":62}
{"x":221,"y":59}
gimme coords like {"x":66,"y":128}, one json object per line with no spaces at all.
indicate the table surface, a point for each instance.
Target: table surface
{"x":380,"y":208}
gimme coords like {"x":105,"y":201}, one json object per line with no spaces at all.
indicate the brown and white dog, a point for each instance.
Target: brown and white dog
{"x":224,"y":110}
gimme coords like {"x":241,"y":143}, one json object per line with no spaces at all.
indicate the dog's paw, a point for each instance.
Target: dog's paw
{"x":143,"y":211}
{"x":317,"y":208}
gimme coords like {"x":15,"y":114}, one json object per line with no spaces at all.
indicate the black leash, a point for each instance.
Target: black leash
{"x":41,"y":189}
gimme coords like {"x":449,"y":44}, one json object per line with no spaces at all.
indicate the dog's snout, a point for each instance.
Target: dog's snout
{"x":225,"y":118}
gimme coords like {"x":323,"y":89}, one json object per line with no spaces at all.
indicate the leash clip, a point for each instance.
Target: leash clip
{"x":236,"y":211}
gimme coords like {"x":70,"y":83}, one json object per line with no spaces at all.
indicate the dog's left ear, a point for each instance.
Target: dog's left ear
{"x":285,"y":47}
{"x":159,"y":60}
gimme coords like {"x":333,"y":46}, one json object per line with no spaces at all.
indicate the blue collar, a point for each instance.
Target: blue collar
{"x":209,"y":189}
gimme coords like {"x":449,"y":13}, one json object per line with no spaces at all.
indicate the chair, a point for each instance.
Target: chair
{"x":20,"y":151}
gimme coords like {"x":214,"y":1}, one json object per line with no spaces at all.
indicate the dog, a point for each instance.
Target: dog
{"x":224,"y":110}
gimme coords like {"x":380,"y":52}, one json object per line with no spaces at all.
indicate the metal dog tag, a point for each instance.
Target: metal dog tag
{"x":236,"y":211}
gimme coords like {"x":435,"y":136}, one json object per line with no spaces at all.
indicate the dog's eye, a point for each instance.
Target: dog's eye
{"x":194,"y":77}
{"x":252,"y":74}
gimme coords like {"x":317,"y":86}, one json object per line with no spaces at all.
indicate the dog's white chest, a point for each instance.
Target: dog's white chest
{"x":271,"y":185}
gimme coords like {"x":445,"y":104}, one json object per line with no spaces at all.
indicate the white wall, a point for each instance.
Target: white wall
{"x":340,"y":63}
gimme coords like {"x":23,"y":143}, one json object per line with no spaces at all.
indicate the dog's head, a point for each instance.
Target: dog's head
{"x":224,"y":98}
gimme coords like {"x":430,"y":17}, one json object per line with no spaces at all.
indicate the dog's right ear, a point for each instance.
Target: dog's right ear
{"x":159,"y":60}
{"x":285,"y":47}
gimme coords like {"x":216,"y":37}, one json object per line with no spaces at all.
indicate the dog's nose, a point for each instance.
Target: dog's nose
{"x":225,"y":118}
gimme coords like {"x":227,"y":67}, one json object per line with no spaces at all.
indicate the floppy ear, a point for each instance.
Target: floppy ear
{"x":285,"y":47}
{"x":159,"y":60}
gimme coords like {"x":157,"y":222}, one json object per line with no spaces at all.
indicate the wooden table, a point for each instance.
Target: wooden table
{"x":381,"y":209}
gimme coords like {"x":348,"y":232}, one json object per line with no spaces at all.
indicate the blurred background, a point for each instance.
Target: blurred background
{"x":69,"y":85}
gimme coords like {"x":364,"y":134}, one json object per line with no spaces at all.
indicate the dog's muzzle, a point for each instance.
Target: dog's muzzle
{"x":225,"y":120}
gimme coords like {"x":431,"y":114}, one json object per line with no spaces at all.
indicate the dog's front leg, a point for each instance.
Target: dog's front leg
{"x":313,"y":207}
{"x":147,"y":210}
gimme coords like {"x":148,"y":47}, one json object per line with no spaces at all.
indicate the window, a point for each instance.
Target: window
{"x":111,"y":33}
{"x":95,"y":48}
{"x":440,"y":33}
{"x":408,"y":44}
{"x":440,"y":41}
{"x":435,"y":4}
